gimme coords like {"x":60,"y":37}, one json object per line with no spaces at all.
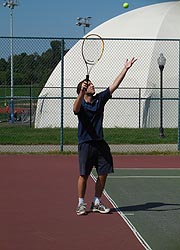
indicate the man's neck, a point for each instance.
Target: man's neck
{"x":88,"y":98}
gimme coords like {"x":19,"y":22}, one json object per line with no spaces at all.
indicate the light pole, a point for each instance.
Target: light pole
{"x":11,"y":4}
{"x":84,"y":21}
{"x":161,"y":62}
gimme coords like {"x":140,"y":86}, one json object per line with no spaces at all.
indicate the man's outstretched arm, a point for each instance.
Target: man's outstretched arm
{"x":121,"y":76}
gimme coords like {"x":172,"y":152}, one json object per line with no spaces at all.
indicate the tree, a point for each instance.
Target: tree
{"x":33,"y":69}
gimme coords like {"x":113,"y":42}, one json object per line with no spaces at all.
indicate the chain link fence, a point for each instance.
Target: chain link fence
{"x":38,"y":80}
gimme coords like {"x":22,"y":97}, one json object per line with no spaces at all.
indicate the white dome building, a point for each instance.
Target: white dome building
{"x":124,"y":38}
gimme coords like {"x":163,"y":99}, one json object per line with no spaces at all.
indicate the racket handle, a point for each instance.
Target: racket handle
{"x":87,"y":78}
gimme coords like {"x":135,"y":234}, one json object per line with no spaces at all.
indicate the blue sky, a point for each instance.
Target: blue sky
{"x":57,"y":18}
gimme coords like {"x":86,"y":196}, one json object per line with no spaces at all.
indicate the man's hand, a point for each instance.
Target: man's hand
{"x":84,"y":86}
{"x":128,"y":63}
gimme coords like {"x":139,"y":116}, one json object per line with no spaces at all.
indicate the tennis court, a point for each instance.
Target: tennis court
{"x":149,"y":199}
{"x":38,"y":201}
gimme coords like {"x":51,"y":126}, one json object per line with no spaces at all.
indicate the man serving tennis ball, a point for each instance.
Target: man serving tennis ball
{"x":92,"y":148}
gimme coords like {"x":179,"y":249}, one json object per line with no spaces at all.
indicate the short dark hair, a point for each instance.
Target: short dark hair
{"x":79,"y":86}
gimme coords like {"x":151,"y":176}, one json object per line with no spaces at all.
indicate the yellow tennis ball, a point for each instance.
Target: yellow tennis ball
{"x":125,"y":5}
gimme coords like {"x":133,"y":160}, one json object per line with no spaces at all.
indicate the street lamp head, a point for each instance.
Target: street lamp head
{"x":84,"y":21}
{"x":78,"y":23}
{"x":11,"y":3}
{"x":161,"y":60}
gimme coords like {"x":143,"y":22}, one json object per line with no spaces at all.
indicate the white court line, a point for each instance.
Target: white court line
{"x":127,"y":221}
{"x":129,"y":214}
{"x":144,"y":176}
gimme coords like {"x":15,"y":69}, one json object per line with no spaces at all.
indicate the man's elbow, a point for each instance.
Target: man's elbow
{"x":75,"y":110}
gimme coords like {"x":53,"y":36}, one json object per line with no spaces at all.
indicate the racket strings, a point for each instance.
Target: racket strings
{"x":92,"y":50}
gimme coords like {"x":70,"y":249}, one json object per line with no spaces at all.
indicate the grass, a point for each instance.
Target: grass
{"x":140,"y":136}
{"x":24,"y":135}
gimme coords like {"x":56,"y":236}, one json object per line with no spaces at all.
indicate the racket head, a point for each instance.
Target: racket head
{"x":92,"y":49}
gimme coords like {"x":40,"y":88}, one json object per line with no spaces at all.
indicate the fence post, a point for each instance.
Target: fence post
{"x":179,"y":104}
{"x":30,"y":105}
{"x":139,"y":107}
{"x":62,"y":96}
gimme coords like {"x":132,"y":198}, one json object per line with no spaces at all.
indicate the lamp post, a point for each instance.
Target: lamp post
{"x":161,"y":62}
{"x":11,"y":4}
{"x":84,"y":21}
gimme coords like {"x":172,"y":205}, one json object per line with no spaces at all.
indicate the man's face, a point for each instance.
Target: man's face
{"x":90,"y":88}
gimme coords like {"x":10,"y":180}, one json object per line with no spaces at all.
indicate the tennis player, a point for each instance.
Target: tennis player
{"x":93,"y":150}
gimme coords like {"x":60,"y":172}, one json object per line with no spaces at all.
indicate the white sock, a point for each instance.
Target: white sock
{"x":81,"y":200}
{"x":96,"y":200}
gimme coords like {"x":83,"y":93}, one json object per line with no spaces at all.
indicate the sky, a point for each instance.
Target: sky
{"x":57,"y":18}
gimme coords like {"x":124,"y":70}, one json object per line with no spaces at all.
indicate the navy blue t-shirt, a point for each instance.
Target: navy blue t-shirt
{"x":90,"y":117}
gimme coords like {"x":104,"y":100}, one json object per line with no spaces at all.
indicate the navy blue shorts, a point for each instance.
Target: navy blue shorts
{"x":95,"y":154}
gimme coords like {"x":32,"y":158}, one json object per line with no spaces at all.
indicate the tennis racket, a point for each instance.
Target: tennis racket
{"x":92,"y":51}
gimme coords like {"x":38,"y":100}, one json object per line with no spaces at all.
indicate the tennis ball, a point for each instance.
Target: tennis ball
{"x":125,"y":5}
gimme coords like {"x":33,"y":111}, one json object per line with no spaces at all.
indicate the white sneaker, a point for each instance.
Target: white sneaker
{"x":81,"y":209}
{"x":100,"y":208}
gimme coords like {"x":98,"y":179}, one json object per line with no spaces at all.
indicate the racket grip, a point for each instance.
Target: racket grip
{"x":87,"y":78}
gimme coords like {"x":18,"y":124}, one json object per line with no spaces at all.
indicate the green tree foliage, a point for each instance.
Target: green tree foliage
{"x":31,"y":69}
{"x":3,"y":69}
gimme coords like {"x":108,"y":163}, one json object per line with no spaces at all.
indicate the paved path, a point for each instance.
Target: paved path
{"x":73,"y":148}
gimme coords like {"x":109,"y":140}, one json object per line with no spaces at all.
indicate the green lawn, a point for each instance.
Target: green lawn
{"x":13,"y":134}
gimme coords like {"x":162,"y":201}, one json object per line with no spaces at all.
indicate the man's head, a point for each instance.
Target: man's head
{"x":90,"y":87}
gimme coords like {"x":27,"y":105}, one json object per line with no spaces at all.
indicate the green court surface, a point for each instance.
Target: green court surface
{"x":150,"y":200}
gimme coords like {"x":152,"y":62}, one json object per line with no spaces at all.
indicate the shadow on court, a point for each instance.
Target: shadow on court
{"x":150,"y":206}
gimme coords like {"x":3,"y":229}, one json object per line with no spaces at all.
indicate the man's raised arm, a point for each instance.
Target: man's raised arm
{"x":121,"y":76}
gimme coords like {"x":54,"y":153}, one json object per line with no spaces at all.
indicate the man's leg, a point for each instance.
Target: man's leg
{"x":100,"y":184}
{"x":82,"y":183}
{"x":97,"y":206}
